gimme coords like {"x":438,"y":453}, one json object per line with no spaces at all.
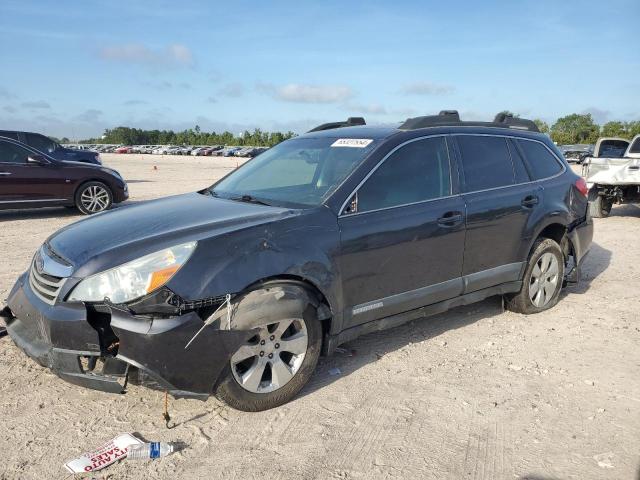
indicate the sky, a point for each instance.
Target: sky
{"x":74,"y":68}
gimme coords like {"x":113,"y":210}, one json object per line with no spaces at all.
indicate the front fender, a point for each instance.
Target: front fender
{"x":299,"y":247}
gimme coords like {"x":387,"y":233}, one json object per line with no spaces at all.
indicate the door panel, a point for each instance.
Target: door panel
{"x":398,"y":259}
{"x":498,"y":213}
{"x":23,"y":181}
{"x":403,"y":240}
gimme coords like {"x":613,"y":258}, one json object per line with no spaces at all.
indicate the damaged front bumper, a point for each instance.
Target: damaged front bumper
{"x":103,"y":351}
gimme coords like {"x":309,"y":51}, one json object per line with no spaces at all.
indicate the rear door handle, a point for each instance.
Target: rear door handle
{"x":450,"y":219}
{"x":529,"y":201}
{"x":6,"y":173}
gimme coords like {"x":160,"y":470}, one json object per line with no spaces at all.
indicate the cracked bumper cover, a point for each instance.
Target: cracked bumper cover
{"x":59,"y":337}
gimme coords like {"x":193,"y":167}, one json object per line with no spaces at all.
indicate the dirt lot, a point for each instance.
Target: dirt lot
{"x":476,"y":393}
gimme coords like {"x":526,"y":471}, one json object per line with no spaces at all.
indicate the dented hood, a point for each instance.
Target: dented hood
{"x":115,"y":237}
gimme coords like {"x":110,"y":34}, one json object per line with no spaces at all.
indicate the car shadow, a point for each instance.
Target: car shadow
{"x":596,"y":262}
{"x":38,"y":213}
{"x":372,"y":347}
{"x":626,"y":210}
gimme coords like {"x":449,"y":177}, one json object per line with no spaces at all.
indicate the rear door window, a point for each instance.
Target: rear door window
{"x":414,"y":173}
{"x":486,"y":162}
{"x":40,"y":142}
{"x":542,"y":164}
{"x":10,"y":153}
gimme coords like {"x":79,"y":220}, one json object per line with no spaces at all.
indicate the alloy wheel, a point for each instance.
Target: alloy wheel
{"x":544,"y":279}
{"x":271,"y":358}
{"x":94,"y":198}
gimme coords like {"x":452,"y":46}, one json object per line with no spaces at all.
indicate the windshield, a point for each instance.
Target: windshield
{"x":300,"y":171}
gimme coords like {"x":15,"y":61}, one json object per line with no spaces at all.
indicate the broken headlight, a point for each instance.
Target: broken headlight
{"x":133,"y":279}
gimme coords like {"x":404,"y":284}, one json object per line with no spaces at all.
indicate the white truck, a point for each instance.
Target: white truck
{"x":612,"y":174}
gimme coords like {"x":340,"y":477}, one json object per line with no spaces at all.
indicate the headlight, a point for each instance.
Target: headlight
{"x":134,"y":279}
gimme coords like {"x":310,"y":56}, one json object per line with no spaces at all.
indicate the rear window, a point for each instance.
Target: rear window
{"x":486,"y":162}
{"x":635,"y":146}
{"x":542,"y":164}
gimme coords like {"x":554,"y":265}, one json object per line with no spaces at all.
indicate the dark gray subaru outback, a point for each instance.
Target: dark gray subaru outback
{"x":237,"y":289}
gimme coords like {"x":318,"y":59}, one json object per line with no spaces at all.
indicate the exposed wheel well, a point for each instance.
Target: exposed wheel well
{"x":558,"y":233}
{"x":555,"y":231}
{"x":325,"y":313}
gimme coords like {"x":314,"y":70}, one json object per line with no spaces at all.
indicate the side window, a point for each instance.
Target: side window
{"x":542,"y":164}
{"x":485,"y":161}
{"x":519,"y":168}
{"x":416,"y":172}
{"x":10,"y":153}
{"x":40,"y":142}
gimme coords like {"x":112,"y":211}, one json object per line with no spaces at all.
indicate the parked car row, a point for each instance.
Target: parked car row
{"x":197,"y":150}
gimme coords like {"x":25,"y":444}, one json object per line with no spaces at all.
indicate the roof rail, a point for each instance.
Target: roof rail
{"x":350,"y":122}
{"x":452,"y":118}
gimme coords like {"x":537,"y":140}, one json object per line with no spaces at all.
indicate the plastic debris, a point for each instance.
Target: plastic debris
{"x":103,"y":456}
{"x":145,"y":451}
{"x":334,"y":371}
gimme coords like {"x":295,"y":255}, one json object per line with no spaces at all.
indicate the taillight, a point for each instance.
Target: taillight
{"x":581,"y":185}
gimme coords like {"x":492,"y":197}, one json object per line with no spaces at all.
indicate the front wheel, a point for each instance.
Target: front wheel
{"x":93,"y":197}
{"x":542,"y":279}
{"x":271,"y":367}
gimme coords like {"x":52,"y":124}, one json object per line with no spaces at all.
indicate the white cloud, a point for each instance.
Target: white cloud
{"x":299,"y":93}
{"x":39,"y":104}
{"x":170,"y":56}
{"x":426,"y":88}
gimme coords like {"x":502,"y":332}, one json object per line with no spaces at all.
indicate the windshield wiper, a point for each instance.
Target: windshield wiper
{"x":249,"y":199}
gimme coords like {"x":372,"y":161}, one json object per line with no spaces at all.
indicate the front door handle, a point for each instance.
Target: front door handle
{"x":5,"y":173}
{"x":450,"y":219}
{"x":530,"y":201}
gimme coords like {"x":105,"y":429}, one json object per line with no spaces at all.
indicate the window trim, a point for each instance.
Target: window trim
{"x":527,"y":163}
{"x":373,"y":170}
{"x":564,"y":168}
{"x":341,"y":213}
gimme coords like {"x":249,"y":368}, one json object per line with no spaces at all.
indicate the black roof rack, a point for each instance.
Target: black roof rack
{"x":350,"y":122}
{"x":452,"y":118}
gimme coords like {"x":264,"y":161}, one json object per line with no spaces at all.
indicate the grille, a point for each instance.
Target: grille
{"x":45,"y":287}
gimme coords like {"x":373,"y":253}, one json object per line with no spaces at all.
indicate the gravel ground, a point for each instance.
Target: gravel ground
{"x":475,"y":393}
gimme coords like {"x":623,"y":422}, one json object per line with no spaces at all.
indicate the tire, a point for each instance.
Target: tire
{"x":93,"y":197}
{"x":599,"y":206}
{"x":283,"y":313}
{"x":532,"y":298}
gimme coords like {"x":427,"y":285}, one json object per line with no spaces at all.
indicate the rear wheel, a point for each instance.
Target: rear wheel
{"x":93,"y":197}
{"x":599,"y":205}
{"x":271,"y":367}
{"x":542,"y":279}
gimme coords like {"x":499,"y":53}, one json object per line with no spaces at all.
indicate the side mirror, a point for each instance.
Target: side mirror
{"x":37,"y":159}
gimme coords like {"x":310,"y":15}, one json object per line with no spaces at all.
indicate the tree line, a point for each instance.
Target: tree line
{"x":567,"y":130}
{"x":191,"y":136}
{"x":581,"y":128}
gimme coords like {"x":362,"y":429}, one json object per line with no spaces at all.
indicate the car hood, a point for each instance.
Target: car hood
{"x":112,"y":238}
